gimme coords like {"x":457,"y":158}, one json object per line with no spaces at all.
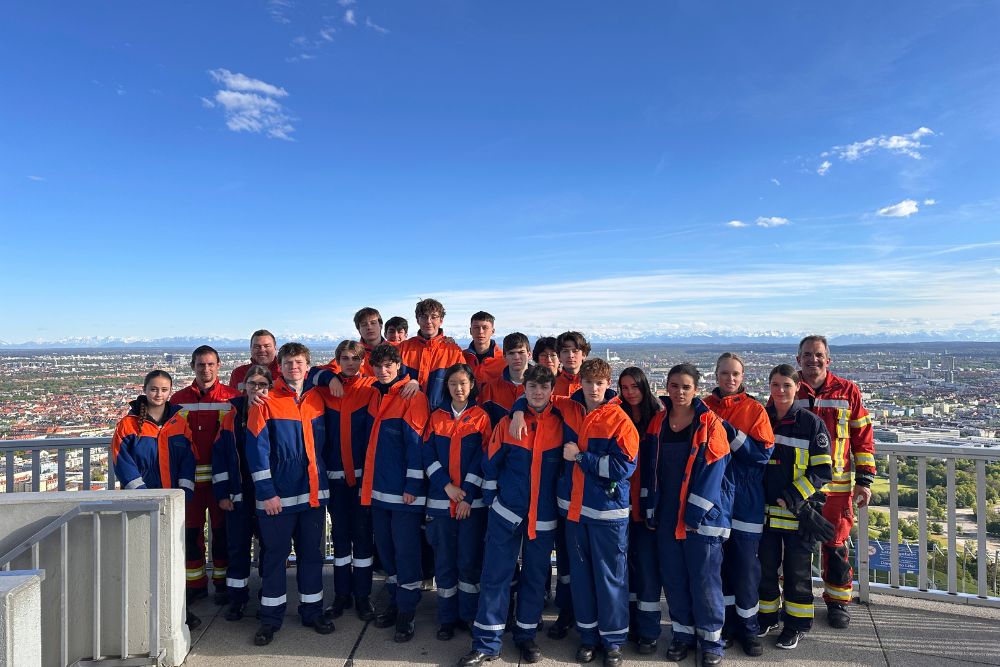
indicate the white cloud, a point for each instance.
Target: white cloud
{"x":241,"y":82}
{"x":376,"y":27}
{"x":327,"y":34}
{"x":39,"y":179}
{"x":278,"y":9}
{"x":930,"y":202}
{"x":903,"y":209}
{"x":773,"y":221}
{"x":776,"y":182}
{"x":207,"y":103}
{"x":899,"y":144}
{"x":824,"y":167}
{"x":251,"y":105}
{"x":736,"y":224}
{"x":345,"y":3}
{"x":349,"y":17}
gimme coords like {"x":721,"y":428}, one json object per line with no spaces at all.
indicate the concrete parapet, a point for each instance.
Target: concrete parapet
{"x":20,"y":617}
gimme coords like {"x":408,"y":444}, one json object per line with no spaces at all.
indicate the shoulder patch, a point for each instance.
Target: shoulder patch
{"x":823,"y":440}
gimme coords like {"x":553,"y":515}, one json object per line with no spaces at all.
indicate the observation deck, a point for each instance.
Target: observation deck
{"x":96,"y":578}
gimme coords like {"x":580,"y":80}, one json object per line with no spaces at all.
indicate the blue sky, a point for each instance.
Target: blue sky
{"x":192,"y":168}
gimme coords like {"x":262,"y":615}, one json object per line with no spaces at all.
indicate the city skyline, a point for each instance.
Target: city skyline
{"x":686,"y":169}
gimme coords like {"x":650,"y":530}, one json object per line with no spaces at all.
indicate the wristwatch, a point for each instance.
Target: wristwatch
{"x":579,"y":457}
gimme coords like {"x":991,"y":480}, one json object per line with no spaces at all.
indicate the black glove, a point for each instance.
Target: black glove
{"x":813,"y":526}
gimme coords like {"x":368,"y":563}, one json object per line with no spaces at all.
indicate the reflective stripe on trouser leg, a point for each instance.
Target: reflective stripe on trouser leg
{"x":382,"y":530}
{"x":674,"y":576}
{"x":600,"y":591}
{"x":310,"y":531}
{"x":239,"y":537}
{"x":797,"y":578}
{"x":564,"y":593}
{"x":769,"y":553}
{"x":195,"y":508}
{"x":503,"y":542}
{"x":406,"y":533}
{"x":703,"y":559}
{"x":536,"y":569}
{"x":276,"y":532}
{"x":219,"y":541}
{"x":647,"y":578}
{"x":351,"y":534}
{"x":836,"y":563}
{"x":442,"y":533}
{"x":741,"y":580}
{"x":471,"y":532}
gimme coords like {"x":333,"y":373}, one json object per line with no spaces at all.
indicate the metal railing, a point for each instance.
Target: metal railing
{"x":62,"y":448}
{"x":925,"y":588}
{"x":61,"y":524}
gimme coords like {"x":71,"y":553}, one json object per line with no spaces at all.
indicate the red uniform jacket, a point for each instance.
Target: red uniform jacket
{"x":204,"y":412}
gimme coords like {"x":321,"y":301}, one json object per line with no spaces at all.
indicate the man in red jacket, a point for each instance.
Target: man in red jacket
{"x":263,"y":351}
{"x":204,"y":404}
{"x":838,"y":403}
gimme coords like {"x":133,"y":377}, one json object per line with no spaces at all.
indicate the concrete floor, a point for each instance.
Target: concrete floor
{"x":890,"y":632}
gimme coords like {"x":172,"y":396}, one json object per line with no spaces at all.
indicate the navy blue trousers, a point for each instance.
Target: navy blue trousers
{"x":644,"y":577}
{"x":600,"y":581}
{"x":306,"y":529}
{"x":740,"y":583}
{"x":352,"y":540}
{"x":503,"y":544}
{"x":458,"y":563}
{"x":241,"y":526}
{"x":397,"y":538}
{"x":691,"y":573}
{"x":564,"y":594}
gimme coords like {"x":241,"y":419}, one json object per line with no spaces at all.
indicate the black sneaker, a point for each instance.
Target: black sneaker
{"x":365,"y":609}
{"x":446,"y":631}
{"x":837,"y":616}
{"x":560,"y":628}
{"x":766,"y":629}
{"x":387,"y":618}
{"x":340,"y":603}
{"x":646,"y":646}
{"x":404,"y":627}
{"x":264,"y":635}
{"x":677,"y":651}
{"x":530,"y":653}
{"x":475,"y":658}
{"x":612,"y":657}
{"x":585,"y":653}
{"x":789,"y":638}
{"x":235,"y":611}
{"x":752,"y":646}
{"x":711,"y":659}
{"x":321,"y":625}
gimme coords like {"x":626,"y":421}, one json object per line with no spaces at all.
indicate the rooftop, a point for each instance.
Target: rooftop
{"x":888,"y":632}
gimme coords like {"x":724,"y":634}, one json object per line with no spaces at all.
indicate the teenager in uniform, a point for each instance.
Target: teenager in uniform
{"x":234,"y":489}
{"x":284,"y":447}
{"x":498,"y":395}
{"x":204,"y":404}
{"x":801,"y":465}
{"x":454,"y":445}
{"x":427,"y":355}
{"x":396,"y":330}
{"x":750,"y":453}
{"x":483,"y":355}
{"x":546,"y":353}
{"x":263,"y":352}
{"x":394,"y":486}
{"x":519,"y":487}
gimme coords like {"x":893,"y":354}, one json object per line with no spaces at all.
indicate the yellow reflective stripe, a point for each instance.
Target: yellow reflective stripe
{"x":801,"y":458}
{"x":804,"y":487}
{"x":196,"y":573}
{"x":799,"y":610}
{"x":777,"y":510}
{"x":769,"y":606}
{"x":820,"y":459}
{"x":863,"y":421}
{"x":784,"y":524}
{"x":842,"y":476}
{"x":837,"y":593}
{"x":864,"y":459}
{"x":219,"y":573}
{"x":837,"y":487}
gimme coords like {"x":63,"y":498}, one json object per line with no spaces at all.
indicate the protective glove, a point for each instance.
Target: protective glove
{"x":813,"y":526}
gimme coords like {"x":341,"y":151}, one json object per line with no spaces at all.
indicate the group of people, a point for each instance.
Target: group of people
{"x":495,"y":461}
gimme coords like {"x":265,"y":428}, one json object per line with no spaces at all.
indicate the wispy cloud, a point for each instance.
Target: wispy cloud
{"x":374,"y":26}
{"x":327,"y":34}
{"x":776,"y":182}
{"x":346,"y":3}
{"x":930,"y":202}
{"x":903,"y":209}
{"x":251,"y":105}
{"x":908,"y":145}
{"x":736,"y":224}
{"x":349,"y":17}
{"x":278,"y":10}
{"x":773,"y":221}
{"x":38,"y":179}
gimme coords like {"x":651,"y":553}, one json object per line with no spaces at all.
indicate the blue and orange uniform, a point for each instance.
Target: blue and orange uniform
{"x":320,"y":376}
{"x":519,"y":487}
{"x":593,"y":494}
{"x":425,"y":360}
{"x":497,"y":396}
{"x":284,"y":447}
{"x":204,"y":411}
{"x":689,"y":504}
{"x":454,"y":446}
{"x":231,"y":481}
{"x":349,"y":421}
{"x":153,"y":455}
{"x":567,"y":384}
{"x":393,"y":467}
{"x":644,"y":592}
{"x":488,"y":365}
{"x":800,"y":466}
{"x":751,"y":451}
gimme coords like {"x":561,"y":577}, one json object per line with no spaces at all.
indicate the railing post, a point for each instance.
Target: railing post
{"x":981,"y":554}
{"x":10,"y":471}
{"x":86,"y":469}
{"x":36,"y":469}
{"x":952,"y":529}
{"x":862,"y":555}
{"x":893,"y":541}
{"x":110,"y":485}
{"x":922,"y":521}
{"x":64,"y":593}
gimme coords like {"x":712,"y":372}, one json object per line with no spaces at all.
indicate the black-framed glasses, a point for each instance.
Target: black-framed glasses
{"x":258,"y":386}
